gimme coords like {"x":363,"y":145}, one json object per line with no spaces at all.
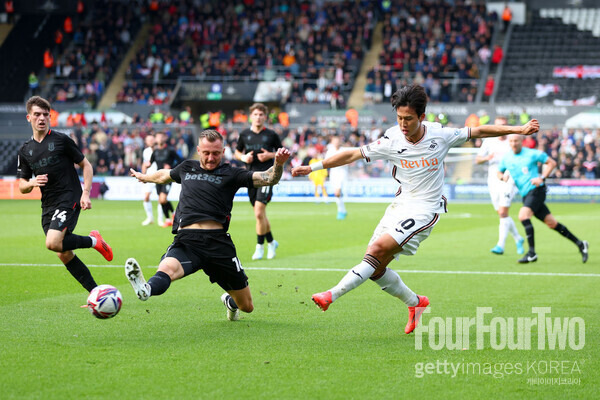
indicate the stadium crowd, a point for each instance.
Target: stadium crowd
{"x":88,"y":51}
{"x":433,"y":44}
{"x":112,"y":150}
{"x":317,"y":45}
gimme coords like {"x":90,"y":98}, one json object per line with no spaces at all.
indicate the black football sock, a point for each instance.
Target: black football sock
{"x":72,"y":242}
{"x":80,"y":272}
{"x":231,"y":303}
{"x":269,"y":237}
{"x":260,"y":239}
{"x":159,"y":283}
{"x":170,"y":205}
{"x":165,"y":208}
{"x":560,"y":228}
{"x":529,"y":232}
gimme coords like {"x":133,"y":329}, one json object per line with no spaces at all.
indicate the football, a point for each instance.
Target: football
{"x":104,"y":301}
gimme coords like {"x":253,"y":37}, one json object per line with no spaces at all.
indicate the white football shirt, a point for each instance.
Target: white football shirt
{"x":418,"y":167}
{"x":146,"y":156}
{"x":498,"y":148}
{"x":341,"y":171}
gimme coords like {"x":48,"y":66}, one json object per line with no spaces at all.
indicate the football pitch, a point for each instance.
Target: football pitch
{"x":180,"y":345}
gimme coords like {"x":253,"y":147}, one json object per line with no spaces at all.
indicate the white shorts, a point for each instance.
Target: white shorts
{"x":149,"y":187}
{"x":502,"y":193}
{"x":407,"y":227}
{"x":337,"y":179}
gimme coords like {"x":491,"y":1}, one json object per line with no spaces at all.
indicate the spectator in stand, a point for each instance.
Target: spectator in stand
{"x":506,"y":17}
{"x":497,"y":55}
{"x":489,"y":87}
{"x":590,"y":166}
{"x":484,"y":54}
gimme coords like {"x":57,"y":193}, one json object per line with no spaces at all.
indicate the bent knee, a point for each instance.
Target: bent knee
{"x":247,"y":308}
{"x":54,"y":245}
{"x":172,"y":267}
{"x":377,"y":251}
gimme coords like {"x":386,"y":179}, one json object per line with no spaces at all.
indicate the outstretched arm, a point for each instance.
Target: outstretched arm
{"x":272,"y":176}
{"x":162,"y":176}
{"x":484,"y":131}
{"x":336,"y":160}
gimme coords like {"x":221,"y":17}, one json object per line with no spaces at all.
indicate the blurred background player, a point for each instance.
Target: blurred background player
{"x":50,"y":156}
{"x":208,"y":187}
{"x":338,"y":176}
{"x":501,"y":192}
{"x":318,"y":179}
{"x":149,"y":168}
{"x":256,"y":147}
{"x":522,"y":163}
{"x":165,"y":157}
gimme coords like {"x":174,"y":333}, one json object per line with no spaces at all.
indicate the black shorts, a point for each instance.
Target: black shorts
{"x":261,"y":194}
{"x":163,"y":188}
{"x":213,"y":252}
{"x":535,"y":200}
{"x":60,"y":218}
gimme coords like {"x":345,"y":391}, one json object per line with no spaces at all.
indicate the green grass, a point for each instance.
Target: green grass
{"x":180,"y":345}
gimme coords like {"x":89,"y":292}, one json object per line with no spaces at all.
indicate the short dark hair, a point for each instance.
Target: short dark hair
{"x":413,"y":96}
{"x":210,"y":135}
{"x":37,"y":101}
{"x":260,"y":107}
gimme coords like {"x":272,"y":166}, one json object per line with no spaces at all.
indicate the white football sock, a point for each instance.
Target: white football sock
{"x":340,"y":204}
{"x":353,"y":279}
{"x":503,"y":231}
{"x":391,"y":283}
{"x":148,"y":208}
{"x":512,"y":228}
{"x":161,"y":215}
{"x":94,"y":241}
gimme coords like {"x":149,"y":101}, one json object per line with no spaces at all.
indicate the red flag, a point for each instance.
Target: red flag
{"x":83,"y":120}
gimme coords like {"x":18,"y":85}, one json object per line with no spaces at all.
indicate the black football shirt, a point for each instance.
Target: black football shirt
{"x":165,"y":156}
{"x":266,"y":139}
{"x":207,"y":195}
{"x":55,"y":156}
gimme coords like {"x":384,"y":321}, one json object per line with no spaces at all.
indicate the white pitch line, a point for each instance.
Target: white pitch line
{"x":404,"y":271}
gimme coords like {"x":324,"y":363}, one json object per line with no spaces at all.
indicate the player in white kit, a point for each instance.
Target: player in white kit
{"x":148,"y":168}
{"x":417,"y":153}
{"x":491,"y":151}
{"x":338,"y":176}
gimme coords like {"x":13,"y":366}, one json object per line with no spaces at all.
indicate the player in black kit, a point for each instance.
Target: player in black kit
{"x":50,"y":156}
{"x":165,"y":157}
{"x":256,"y":147}
{"x":208,"y":187}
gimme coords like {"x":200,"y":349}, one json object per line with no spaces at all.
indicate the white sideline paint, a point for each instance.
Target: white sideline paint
{"x":400,"y":271}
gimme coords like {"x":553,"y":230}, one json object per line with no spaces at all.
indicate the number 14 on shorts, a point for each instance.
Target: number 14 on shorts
{"x":61,"y":215}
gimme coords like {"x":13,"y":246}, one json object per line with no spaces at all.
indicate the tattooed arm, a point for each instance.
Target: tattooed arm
{"x":271,"y":176}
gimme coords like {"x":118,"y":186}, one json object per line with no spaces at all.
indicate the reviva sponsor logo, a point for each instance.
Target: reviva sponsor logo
{"x":422,"y":163}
